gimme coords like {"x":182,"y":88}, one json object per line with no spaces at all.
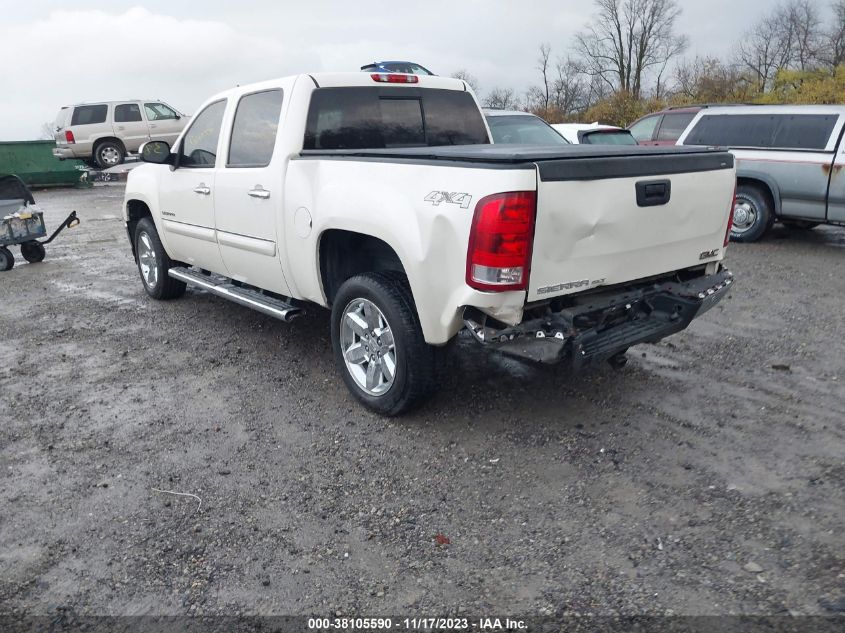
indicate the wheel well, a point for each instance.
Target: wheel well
{"x":135,"y":210}
{"x":764,"y":188}
{"x":344,"y":254}
{"x":100,"y":141}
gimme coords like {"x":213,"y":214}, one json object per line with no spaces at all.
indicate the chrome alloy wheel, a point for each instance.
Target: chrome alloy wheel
{"x":745,"y":216}
{"x":368,"y":347}
{"x":147,"y":260}
{"x":109,"y":156}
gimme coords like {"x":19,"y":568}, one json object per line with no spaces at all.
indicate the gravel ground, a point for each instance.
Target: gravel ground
{"x":704,"y":478}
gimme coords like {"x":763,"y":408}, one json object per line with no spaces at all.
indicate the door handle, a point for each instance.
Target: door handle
{"x":202,"y":189}
{"x":258,"y":192}
{"x":653,"y":193}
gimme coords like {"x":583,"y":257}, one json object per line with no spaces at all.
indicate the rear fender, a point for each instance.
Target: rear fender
{"x":764,"y":179}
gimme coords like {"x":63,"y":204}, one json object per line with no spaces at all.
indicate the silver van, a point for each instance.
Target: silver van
{"x":790,"y":163}
{"x":105,"y":132}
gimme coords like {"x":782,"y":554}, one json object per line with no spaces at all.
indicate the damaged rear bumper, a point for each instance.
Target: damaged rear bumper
{"x":598,"y":326}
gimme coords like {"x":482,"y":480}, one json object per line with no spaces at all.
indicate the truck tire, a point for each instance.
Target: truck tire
{"x":379,"y":346}
{"x":7,"y":260}
{"x":753,"y":214}
{"x":109,"y":153}
{"x":33,"y":252}
{"x":153,"y":263}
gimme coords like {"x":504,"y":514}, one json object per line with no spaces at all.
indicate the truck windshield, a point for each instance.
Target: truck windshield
{"x":381,"y":117}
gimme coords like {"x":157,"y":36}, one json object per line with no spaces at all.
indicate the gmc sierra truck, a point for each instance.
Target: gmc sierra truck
{"x":380,"y":197}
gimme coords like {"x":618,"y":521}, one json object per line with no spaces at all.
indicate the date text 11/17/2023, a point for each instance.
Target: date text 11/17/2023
{"x":375,"y":625}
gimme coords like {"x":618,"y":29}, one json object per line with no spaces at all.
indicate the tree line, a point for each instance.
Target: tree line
{"x":630,"y":60}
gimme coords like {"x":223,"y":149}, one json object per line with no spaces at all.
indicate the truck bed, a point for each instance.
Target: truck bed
{"x":569,"y":162}
{"x":594,"y":226}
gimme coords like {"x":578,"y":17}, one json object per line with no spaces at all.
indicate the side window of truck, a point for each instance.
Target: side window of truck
{"x":254,"y":129}
{"x":805,"y":131}
{"x":199,"y":148}
{"x":764,"y":131}
{"x":127,"y":113}
{"x":673,"y":125}
{"x":728,"y":130}
{"x":159,"y":112}
{"x":89,"y":114}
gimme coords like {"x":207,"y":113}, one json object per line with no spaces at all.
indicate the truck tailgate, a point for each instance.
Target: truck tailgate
{"x":591,"y":229}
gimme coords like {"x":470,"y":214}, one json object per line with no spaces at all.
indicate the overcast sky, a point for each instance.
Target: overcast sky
{"x":57,"y":53}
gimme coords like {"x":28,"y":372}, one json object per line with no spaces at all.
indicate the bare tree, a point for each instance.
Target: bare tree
{"x":538,"y":98}
{"x":710,"y":80}
{"x":804,"y":24}
{"x":501,"y":99}
{"x":833,"y":39}
{"x":470,"y":79}
{"x":543,"y":67}
{"x":569,"y":92}
{"x":597,"y":90}
{"x":764,"y":49}
{"x":629,"y":39}
{"x":688,"y":75}
{"x":535,"y":101}
{"x":788,"y":38}
{"x":563,"y":90}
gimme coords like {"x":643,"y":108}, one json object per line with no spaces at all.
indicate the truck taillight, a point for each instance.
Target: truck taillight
{"x":730,"y":219}
{"x":393,"y":78}
{"x":69,"y":137}
{"x":500,"y":242}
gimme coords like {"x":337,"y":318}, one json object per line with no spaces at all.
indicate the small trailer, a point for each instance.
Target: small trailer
{"x":22,"y":223}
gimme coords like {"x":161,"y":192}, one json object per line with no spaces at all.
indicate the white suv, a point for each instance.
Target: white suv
{"x":103,"y":133}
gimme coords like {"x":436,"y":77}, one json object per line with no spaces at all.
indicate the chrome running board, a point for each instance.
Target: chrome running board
{"x":243,"y":296}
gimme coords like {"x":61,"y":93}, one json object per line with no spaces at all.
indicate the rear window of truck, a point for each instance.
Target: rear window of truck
{"x":764,"y":131}
{"x":608,"y":137}
{"x":380,"y":117}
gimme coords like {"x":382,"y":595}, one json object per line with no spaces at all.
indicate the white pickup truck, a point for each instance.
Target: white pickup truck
{"x":380,"y":197}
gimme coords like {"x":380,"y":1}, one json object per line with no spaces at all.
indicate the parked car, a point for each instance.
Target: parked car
{"x":594,"y":134}
{"x":790,"y":163}
{"x":513,"y":127}
{"x":408,"y":68}
{"x":664,"y":127}
{"x":103,"y":133}
{"x":385,"y":202}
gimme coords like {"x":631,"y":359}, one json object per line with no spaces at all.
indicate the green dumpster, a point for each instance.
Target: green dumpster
{"x":34,"y":163}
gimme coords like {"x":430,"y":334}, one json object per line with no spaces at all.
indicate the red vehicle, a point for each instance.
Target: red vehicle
{"x":664,"y":127}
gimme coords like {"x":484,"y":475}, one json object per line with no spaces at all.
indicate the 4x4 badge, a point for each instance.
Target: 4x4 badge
{"x":436,"y":197}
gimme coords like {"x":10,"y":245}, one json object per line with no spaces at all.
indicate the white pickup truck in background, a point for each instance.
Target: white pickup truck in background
{"x":379,"y":196}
